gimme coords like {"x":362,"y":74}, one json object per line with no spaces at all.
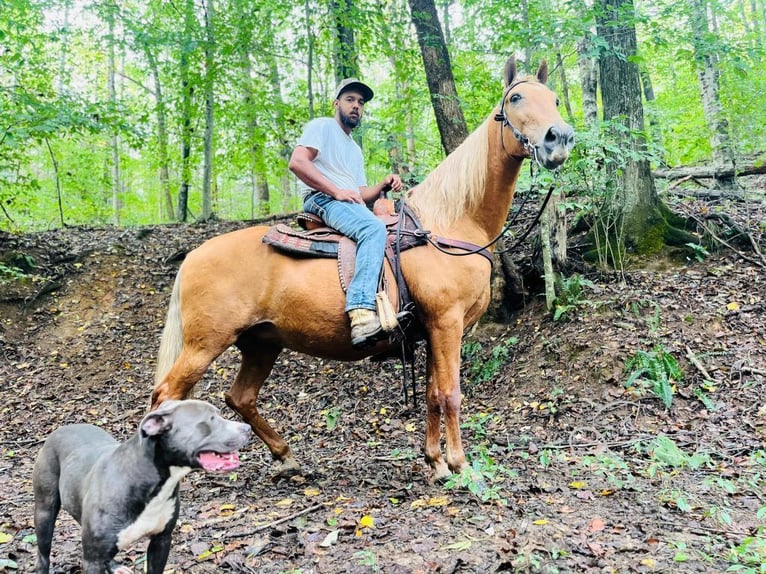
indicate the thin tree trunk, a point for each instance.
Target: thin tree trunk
{"x":162,"y":134}
{"x":564,"y":87}
{"x":756,"y":23}
{"x":310,"y":67}
{"x":441,"y":83}
{"x":186,"y":110}
{"x":207,"y":175}
{"x":588,"y":82}
{"x":545,"y":244}
{"x":654,"y":125}
{"x":709,"y":78}
{"x":63,"y":79}
{"x":115,"y":139}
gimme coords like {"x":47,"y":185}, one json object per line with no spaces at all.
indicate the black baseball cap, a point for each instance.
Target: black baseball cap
{"x":354,"y":84}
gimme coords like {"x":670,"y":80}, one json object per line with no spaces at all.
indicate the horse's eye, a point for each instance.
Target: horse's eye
{"x":557,"y":102}
{"x":515,"y":98}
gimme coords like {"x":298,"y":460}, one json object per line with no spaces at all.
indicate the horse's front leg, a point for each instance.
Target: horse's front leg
{"x":443,"y":397}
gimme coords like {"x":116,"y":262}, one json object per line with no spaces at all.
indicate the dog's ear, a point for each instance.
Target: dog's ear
{"x":159,"y":421}
{"x":155,"y":424}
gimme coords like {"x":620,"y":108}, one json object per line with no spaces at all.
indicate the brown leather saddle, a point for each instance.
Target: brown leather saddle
{"x":314,"y":239}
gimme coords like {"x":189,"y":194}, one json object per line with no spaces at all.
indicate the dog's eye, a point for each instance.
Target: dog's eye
{"x":204,"y":428}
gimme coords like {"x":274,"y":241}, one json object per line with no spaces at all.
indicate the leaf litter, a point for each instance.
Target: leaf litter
{"x":589,"y":476}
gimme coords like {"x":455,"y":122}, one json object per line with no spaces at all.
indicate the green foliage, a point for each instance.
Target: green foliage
{"x":483,"y":478}
{"x":656,"y":370}
{"x":53,"y":92}
{"x":667,"y":455}
{"x":485,"y":366}
{"x":569,"y":296}
{"x":9,"y":274}
{"x":700,"y":253}
{"x":747,"y":557}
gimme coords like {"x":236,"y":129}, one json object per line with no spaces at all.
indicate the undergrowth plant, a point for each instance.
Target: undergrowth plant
{"x":656,"y":370}
{"x":9,"y":273}
{"x":570,"y":296}
{"x":485,"y":367}
{"x":483,"y":478}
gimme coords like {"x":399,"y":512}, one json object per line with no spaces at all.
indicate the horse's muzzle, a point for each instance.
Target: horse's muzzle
{"x":558,"y":142}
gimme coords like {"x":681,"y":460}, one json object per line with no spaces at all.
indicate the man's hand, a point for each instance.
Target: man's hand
{"x":348,"y":195}
{"x":392,"y":183}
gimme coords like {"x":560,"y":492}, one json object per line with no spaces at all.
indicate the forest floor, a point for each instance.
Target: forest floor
{"x":580,"y":472}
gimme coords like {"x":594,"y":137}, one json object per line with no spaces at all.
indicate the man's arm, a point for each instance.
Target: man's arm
{"x":391,"y":182}
{"x":302,"y":165}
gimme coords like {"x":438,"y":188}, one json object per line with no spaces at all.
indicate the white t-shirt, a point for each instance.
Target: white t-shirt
{"x":339,"y":158}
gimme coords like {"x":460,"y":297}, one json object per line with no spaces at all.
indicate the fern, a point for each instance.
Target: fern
{"x":656,"y":370}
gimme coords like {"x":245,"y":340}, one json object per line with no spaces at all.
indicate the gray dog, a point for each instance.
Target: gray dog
{"x":120,"y":493}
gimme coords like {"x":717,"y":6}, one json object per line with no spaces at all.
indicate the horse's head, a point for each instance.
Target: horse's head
{"x":529,"y":111}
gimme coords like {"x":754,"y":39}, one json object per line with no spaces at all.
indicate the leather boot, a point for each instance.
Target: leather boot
{"x":365,"y":327}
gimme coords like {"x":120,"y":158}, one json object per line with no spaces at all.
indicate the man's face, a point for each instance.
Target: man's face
{"x":349,"y":109}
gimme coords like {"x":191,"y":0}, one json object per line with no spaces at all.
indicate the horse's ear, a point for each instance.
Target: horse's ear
{"x":510,"y":70}
{"x":542,"y":72}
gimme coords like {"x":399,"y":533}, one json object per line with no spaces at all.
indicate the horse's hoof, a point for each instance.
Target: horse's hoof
{"x":441,"y":473}
{"x":286,"y":469}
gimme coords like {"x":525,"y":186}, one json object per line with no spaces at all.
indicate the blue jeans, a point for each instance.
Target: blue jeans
{"x":357,"y":222}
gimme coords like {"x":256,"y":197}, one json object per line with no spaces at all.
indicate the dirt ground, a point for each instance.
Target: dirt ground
{"x":580,"y":473}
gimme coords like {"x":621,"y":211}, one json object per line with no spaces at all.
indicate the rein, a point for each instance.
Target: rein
{"x":470,"y":248}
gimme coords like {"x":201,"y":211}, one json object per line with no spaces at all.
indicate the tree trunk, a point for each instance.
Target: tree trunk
{"x":63,"y":79}
{"x":709,"y":79}
{"x":310,"y":66}
{"x":564,"y":87}
{"x":655,"y":129}
{"x":207,"y":171}
{"x":186,"y":110}
{"x":441,"y":83}
{"x":641,"y":217}
{"x":115,"y":139}
{"x":162,"y":134}
{"x":346,"y":59}
{"x":588,"y":82}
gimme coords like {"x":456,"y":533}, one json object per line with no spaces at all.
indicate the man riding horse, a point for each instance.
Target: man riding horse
{"x":330,"y":167}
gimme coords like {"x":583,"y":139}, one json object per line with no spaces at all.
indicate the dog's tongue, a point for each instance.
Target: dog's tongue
{"x":212,"y":461}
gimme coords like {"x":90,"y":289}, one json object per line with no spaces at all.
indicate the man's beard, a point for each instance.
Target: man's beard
{"x":348,"y":121}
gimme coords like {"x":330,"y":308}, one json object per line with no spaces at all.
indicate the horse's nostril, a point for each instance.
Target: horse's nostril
{"x":553,"y":135}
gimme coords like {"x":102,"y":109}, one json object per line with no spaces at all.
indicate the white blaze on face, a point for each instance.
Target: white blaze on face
{"x":157,"y":513}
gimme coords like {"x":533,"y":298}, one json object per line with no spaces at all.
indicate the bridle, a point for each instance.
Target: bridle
{"x":502,"y":117}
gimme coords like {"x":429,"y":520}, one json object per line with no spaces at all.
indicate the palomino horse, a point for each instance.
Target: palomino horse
{"x":236,"y":290}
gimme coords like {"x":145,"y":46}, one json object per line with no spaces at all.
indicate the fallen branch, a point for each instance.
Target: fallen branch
{"x":275,"y":523}
{"x":756,"y":166}
{"x":761,"y":263}
{"x":696,"y":362}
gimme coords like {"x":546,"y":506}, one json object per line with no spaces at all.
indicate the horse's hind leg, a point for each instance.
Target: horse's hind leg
{"x":187,"y":370}
{"x":243,"y":396}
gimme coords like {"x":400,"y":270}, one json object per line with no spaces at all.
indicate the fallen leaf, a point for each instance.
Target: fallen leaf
{"x":431,"y":502}
{"x":330,"y":539}
{"x":596,"y":525}
{"x":367,"y":521}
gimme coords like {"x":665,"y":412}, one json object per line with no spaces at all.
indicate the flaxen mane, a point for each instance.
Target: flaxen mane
{"x":456,"y":186}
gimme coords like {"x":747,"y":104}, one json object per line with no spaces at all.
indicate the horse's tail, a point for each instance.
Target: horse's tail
{"x":172,"y":335}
